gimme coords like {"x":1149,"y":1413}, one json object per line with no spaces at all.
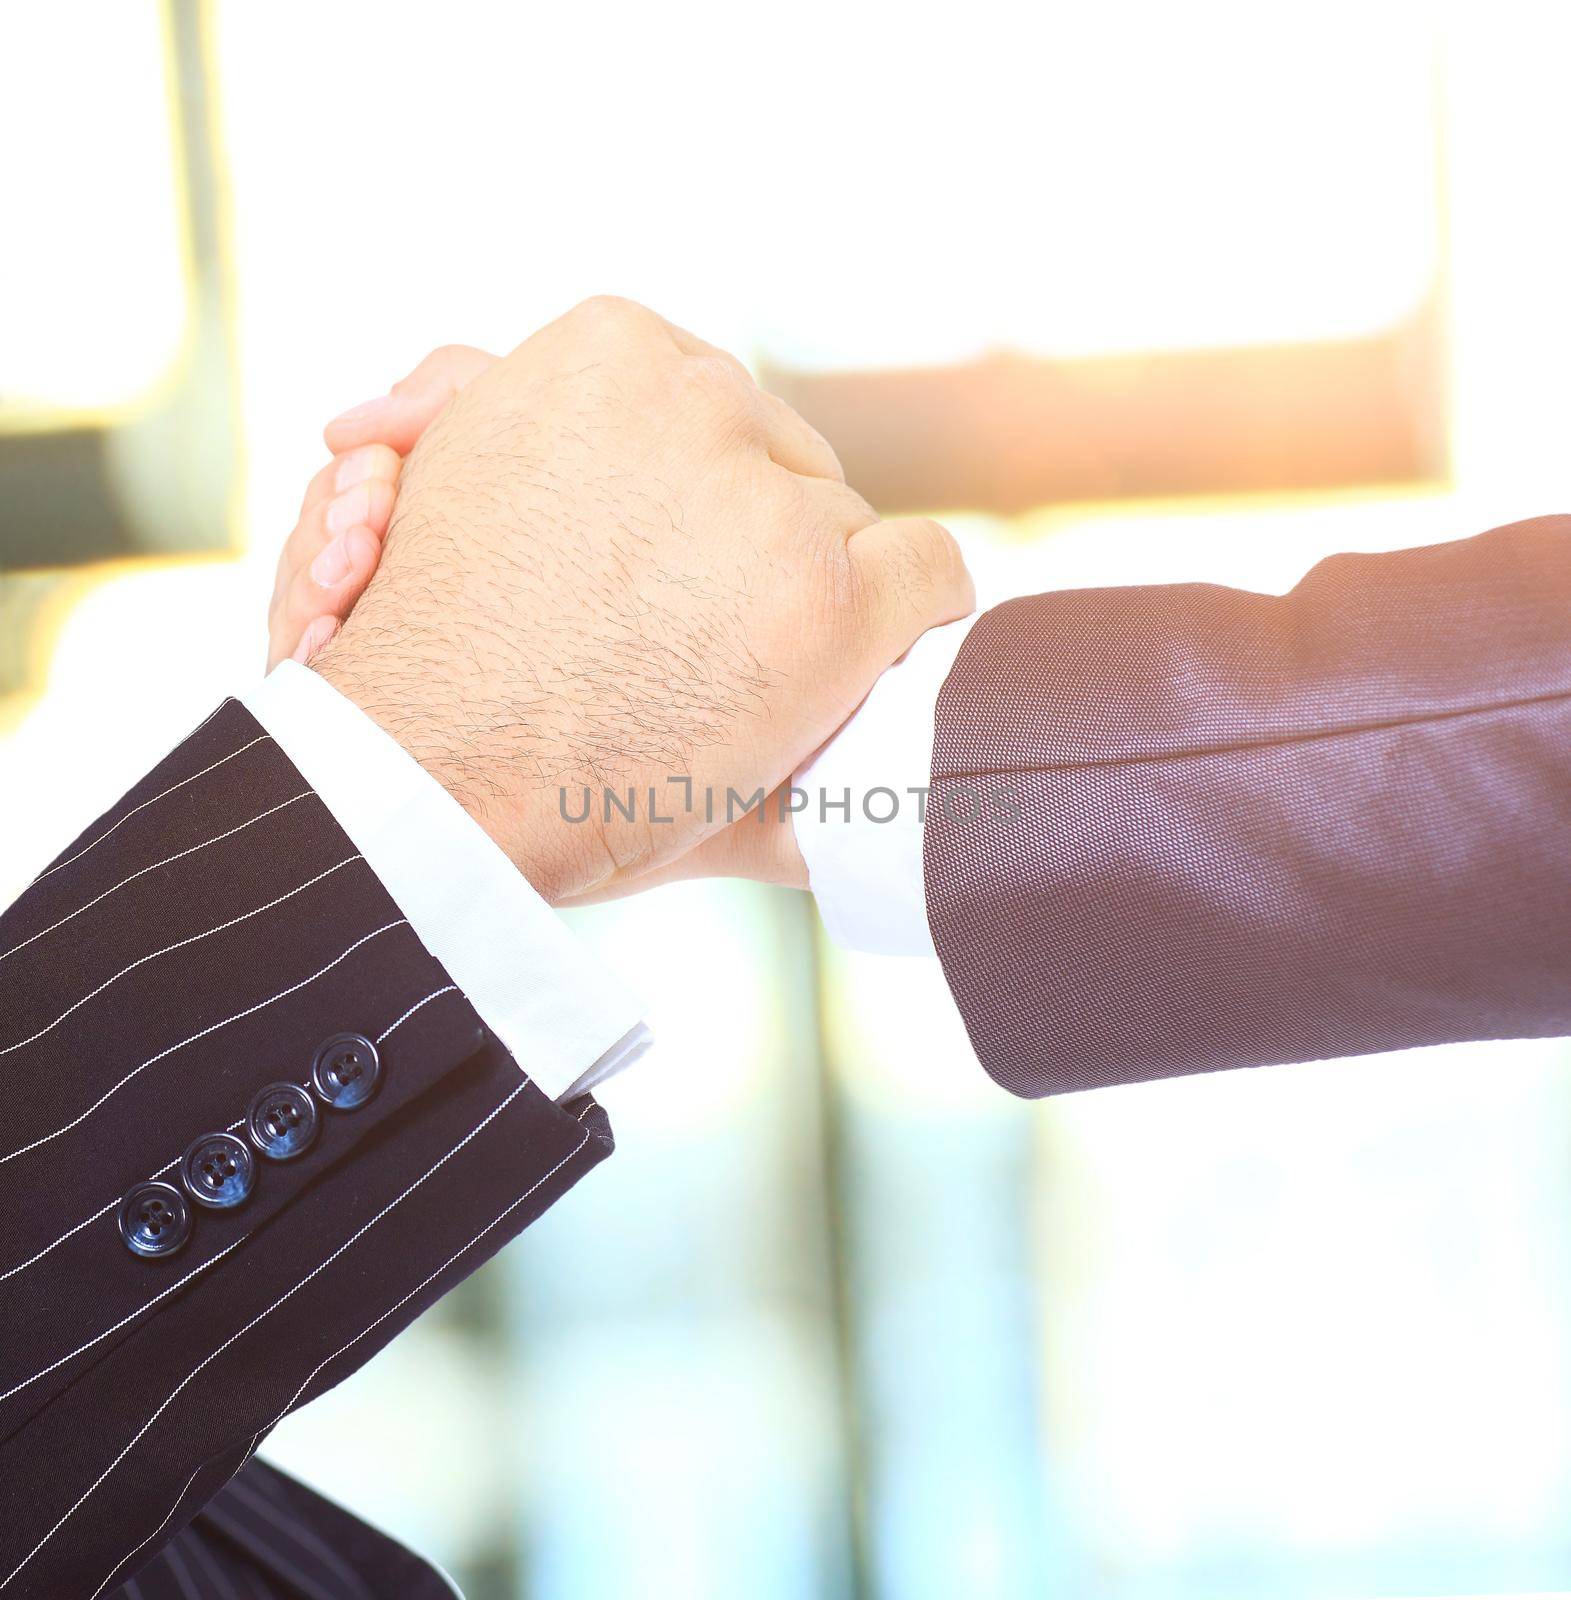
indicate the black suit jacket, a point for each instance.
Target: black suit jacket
{"x":195,"y":945}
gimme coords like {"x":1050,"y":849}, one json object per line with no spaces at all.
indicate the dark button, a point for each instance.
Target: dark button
{"x":283,"y":1122}
{"x":154,"y":1220}
{"x":218,"y":1171}
{"x":345,"y":1071}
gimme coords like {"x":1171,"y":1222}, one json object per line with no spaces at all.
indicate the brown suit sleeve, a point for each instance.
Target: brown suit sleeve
{"x":1176,"y":829}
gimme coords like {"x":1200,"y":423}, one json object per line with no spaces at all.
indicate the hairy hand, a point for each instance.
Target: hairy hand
{"x":614,"y":563}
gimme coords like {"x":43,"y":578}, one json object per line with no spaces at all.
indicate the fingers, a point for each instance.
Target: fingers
{"x":370,"y":462}
{"x":316,"y":635}
{"x":322,"y":593}
{"x":399,"y":417}
{"x":366,"y":503}
{"x":335,"y":547}
{"x":916,"y":578}
{"x":691,"y":345}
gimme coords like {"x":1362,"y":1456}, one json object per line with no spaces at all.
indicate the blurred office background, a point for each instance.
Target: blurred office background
{"x":1132,"y":293}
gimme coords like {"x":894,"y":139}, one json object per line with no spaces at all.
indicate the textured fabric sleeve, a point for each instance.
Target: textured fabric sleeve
{"x":204,"y":940}
{"x":1176,"y":829}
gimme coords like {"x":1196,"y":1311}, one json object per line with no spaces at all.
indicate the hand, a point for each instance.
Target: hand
{"x":614,"y":561}
{"x":336,"y":545}
{"x":312,"y":596}
{"x":331,"y":552}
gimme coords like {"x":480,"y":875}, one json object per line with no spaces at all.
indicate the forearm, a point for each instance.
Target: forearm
{"x":192,"y":952}
{"x":1177,"y":828}
{"x":1245,"y":829}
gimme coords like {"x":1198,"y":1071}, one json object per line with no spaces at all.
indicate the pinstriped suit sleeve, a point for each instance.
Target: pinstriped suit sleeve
{"x":197,"y":943}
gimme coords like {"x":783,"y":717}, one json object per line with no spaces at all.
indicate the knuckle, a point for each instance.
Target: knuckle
{"x":711,"y":368}
{"x":709,"y":387}
{"x":716,"y":375}
{"x":431,"y":366}
{"x":831,"y":509}
{"x":610,"y":313}
{"x":854,"y":511}
{"x":379,"y":494}
{"x":419,"y":372}
{"x":830,"y":459}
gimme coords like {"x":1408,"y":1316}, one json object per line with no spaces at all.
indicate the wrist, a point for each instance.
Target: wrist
{"x":521,"y":819}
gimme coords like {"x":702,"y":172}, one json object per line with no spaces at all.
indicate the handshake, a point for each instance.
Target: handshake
{"x":291,"y":1050}
{"x":604,"y":563}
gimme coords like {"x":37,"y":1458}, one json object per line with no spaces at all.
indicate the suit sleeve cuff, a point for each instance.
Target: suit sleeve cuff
{"x":862,"y":802}
{"x":568,"y":1021}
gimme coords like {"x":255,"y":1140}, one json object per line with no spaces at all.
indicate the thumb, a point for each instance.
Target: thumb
{"x":399,"y":417}
{"x":915,"y":578}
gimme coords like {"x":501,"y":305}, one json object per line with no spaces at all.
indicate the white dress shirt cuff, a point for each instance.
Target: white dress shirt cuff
{"x":863,"y":800}
{"x":568,"y":1021}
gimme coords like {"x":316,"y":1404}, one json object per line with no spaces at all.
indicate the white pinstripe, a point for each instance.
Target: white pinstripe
{"x":180,"y":856}
{"x":169,"y":949}
{"x":11,"y":1272}
{"x":397,"y":1305}
{"x":130,"y":1316}
{"x":228,"y":700}
{"x":262,"y":1432}
{"x":435,"y":994}
{"x":288,"y":1294}
{"x":22,"y":1266}
{"x":400,"y":922}
{"x":146,"y":803}
{"x":328,"y":1360}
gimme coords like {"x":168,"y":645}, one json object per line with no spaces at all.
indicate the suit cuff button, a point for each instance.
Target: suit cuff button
{"x":283,"y":1122}
{"x":345,"y":1071}
{"x":219,"y":1171}
{"x":154,"y":1220}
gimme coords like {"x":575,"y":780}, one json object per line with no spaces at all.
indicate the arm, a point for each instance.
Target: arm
{"x":1182,"y":828}
{"x":1180,"y":821}
{"x":613,"y":561}
{"x":199,"y":943}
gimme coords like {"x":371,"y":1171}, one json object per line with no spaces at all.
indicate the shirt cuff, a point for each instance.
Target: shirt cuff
{"x":567,"y":1020}
{"x":862,"y":801}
